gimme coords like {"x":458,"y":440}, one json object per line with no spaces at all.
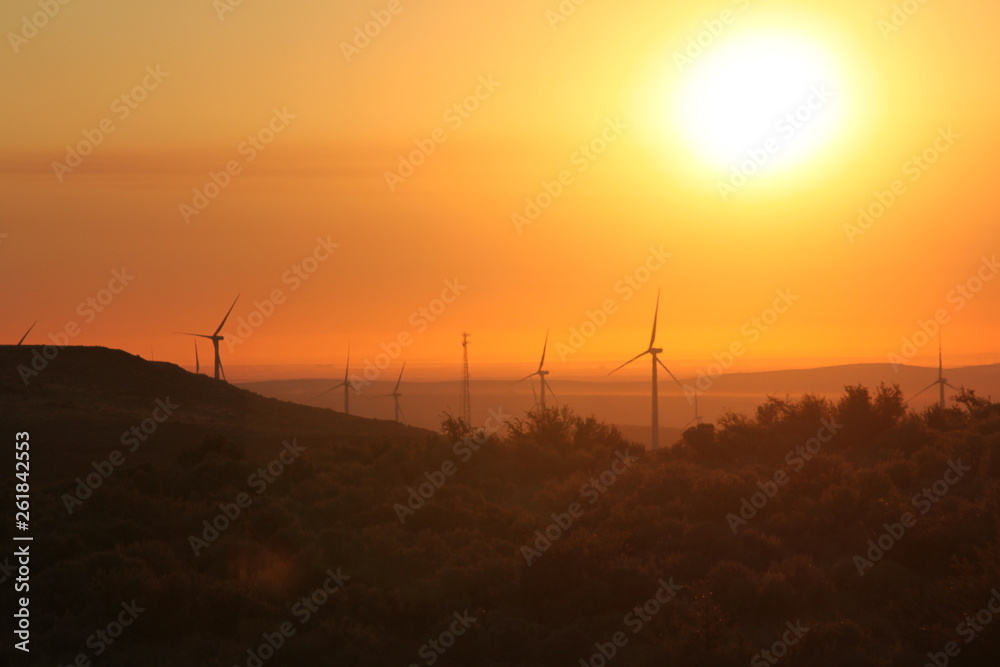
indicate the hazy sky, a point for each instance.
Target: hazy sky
{"x":617,"y":101}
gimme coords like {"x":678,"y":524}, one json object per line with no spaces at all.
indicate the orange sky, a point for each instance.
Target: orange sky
{"x":550,"y":88}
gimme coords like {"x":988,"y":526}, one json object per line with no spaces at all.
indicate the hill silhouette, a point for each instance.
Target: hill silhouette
{"x":87,"y":397}
{"x":821,"y":532}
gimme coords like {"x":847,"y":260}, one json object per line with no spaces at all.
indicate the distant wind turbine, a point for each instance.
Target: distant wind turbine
{"x":346,"y":384}
{"x":941,"y":382}
{"x":653,"y":352}
{"x":541,"y":373}
{"x":697,"y":416}
{"x":396,"y":395}
{"x":27,"y":332}
{"x":220,"y":373}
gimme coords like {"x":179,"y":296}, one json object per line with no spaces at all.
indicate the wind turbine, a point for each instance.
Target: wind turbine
{"x":941,"y":381}
{"x":27,"y":332}
{"x":216,"y":339}
{"x":396,"y":395}
{"x":653,"y":352}
{"x":697,"y":417}
{"x":346,"y":384}
{"x":541,"y":373}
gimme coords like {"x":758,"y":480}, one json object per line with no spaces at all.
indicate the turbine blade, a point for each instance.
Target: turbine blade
{"x":930,"y":386}
{"x":548,"y":388}
{"x":27,"y":332}
{"x":544,"y":348}
{"x":656,"y":316}
{"x":183,"y":333}
{"x":940,"y":358}
{"x":324,"y":393}
{"x":642,"y":354}
{"x":400,"y":378}
{"x":948,"y":384}
{"x":525,"y":378}
{"x":223,"y":323}
{"x":669,"y":372}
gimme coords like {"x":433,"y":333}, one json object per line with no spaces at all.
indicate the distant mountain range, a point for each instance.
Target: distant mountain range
{"x":626,"y":402}
{"x":87,"y":397}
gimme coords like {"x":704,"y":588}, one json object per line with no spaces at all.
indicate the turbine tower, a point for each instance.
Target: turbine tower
{"x":27,"y":332}
{"x":941,"y":382}
{"x":654,"y":353}
{"x":220,"y":373}
{"x":541,"y":373}
{"x":346,"y":384}
{"x":396,"y":395}
{"x":466,"y":389}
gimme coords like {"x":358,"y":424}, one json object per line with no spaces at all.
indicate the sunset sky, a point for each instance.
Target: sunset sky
{"x":640,"y":127}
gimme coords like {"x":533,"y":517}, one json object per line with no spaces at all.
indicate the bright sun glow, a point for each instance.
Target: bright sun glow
{"x":773,"y":100}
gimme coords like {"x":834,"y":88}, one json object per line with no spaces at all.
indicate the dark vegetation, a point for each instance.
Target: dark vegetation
{"x":463,"y":550}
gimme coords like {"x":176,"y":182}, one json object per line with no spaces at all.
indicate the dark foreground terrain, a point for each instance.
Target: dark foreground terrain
{"x":239,"y":530}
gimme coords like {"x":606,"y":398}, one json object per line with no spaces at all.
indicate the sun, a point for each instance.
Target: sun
{"x":759,"y":103}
